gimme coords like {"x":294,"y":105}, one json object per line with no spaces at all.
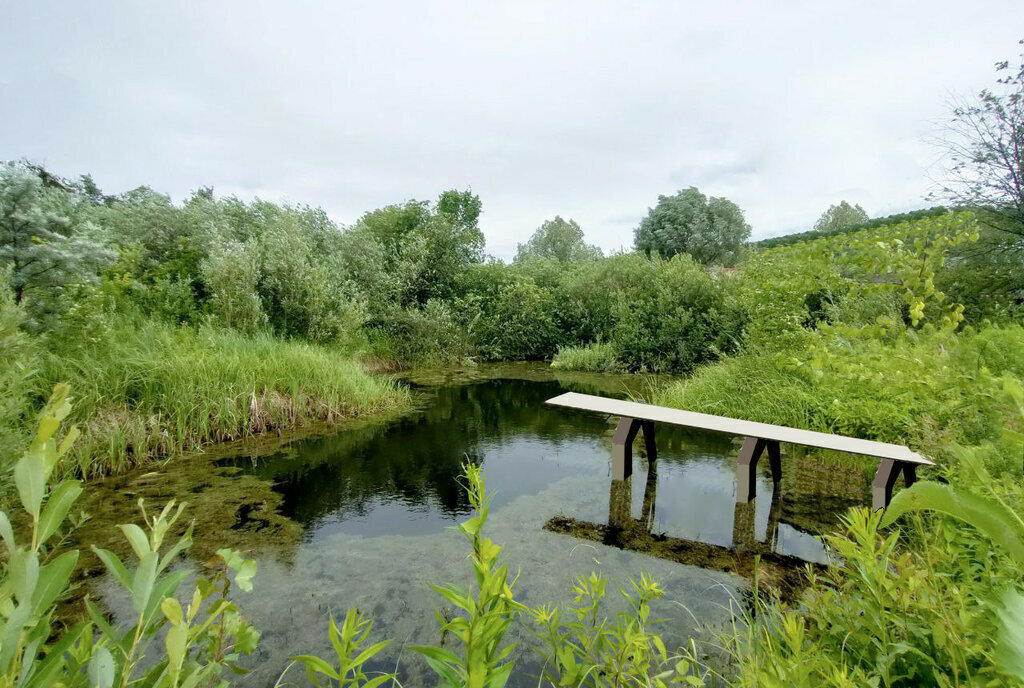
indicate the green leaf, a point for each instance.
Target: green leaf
{"x":172,"y":610}
{"x":106,"y":630}
{"x":244,"y":575}
{"x":378,"y":681}
{"x":1009,"y":654}
{"x":142,"y":582}
{"x":137,"y":538}
{"x":23,"y":573}
{"x":30,"y":479}
{"x":101,"y":669}
{"x":370,"y":652}
{"x":986,"y":515}
{"x":315,"y":664}
{"x":176,"y":643}
{"x":6,"y":532}
{"x":114,"y":566}
{"x":165,"y":587}
{"x":57,"y":507}
{"x":449,"y":678}
{"x":53,"y":580}
{"x":436,"y":653}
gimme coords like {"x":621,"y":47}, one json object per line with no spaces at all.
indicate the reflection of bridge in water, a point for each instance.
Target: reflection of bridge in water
{"x":779,"y":556}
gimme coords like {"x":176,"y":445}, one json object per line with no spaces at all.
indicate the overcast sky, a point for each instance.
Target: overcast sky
{"x":589,"y":110}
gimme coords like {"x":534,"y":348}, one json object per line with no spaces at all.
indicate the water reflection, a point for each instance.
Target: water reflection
{"x":403,"y":478}
{"x":699,"y":522}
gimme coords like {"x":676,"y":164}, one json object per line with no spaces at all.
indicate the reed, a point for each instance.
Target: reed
{"x":147,"y":390}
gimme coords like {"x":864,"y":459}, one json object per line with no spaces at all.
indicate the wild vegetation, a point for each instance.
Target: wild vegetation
{"x":182,"y":324}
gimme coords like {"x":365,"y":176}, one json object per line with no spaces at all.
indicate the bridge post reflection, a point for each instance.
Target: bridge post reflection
{"x":777,"y":570}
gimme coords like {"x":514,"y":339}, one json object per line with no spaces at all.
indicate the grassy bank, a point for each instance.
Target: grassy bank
{"x":146,"y":390}
{"x":927,"y":390}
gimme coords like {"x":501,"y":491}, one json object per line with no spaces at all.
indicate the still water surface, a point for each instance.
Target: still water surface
{"x":362,"y":517}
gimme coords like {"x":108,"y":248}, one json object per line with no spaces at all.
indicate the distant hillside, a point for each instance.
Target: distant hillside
{"x":789,"y":239}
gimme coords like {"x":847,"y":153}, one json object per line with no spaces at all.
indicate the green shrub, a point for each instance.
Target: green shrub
{"x":675,"y":317}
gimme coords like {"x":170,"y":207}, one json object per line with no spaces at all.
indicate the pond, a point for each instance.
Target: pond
{"x":362,"y":516}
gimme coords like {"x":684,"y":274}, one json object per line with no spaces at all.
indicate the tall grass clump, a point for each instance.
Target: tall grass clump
{"x":597,"y":357}
{"x":148,"y":390}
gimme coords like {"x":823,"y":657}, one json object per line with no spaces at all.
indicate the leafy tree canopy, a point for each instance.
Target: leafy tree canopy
{"x":559,"y":239}
{"x":839,"y":216}
{"x":40,"y":246}
{"x":711,"y":230}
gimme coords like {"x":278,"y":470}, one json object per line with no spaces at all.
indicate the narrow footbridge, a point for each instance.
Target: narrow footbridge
{"x":895,"y":459}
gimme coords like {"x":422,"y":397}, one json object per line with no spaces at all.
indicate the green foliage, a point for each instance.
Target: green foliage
{"x":598,"y":357}
{"x":488,"y":611}
{"x":711,"y":230}
{"x":151,"y":390}
{"x":592,"y":650}
{"x":39,"y":247}
{"x":231,"y":273}
{"x":199,"y":643}
{"x":674,"y":318}
{"x":838,"y":217}
{"x":18,"y":353}
{"x":517,"y":321}
{"x":878,"y":222}
{"x":558,"y":239}
{"x":348,"y":641}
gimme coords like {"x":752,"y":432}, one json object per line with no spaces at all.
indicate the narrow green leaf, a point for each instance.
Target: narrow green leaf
{"x":62,"y":498}
{"x":137,"y":538}
{"x":370,"y":652}
{"x":142,"y":582}
{"x":106,"y":630}
{"x":1009,"y":655}
{"x":437,"y":653}
{"x":53,"y":580}
{"x":114,"y":567}
{"x":30,"y":479}
{"x":315,"y":664}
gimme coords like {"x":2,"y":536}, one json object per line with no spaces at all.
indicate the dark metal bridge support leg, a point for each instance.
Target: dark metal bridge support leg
{"x":649,"y":445}
{"x":622,"y":446}
{"x":775,"y":461}
{"x":885,"y":478}
{"x":746,"y":468}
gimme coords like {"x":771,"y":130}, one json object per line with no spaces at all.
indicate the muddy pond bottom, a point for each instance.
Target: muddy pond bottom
{"x":362,"y":518}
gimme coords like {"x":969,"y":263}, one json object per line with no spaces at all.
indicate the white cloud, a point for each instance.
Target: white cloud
{"x":588,"y":110}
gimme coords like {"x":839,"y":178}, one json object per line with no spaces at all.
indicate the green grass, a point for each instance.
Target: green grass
{"x":597,"y":357}
{"x":147,"y":390}
{"x":925,"y":391}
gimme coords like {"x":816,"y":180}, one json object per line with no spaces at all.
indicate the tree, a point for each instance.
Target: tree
{"x":38,"y":246}
{"x":985,"y":146}
{"x":559,"y":239}
{"x":839,"y":216}
{"x":711,"y":230}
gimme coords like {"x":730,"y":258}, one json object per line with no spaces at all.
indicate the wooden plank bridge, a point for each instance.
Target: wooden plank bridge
{"x":895,"y":459}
